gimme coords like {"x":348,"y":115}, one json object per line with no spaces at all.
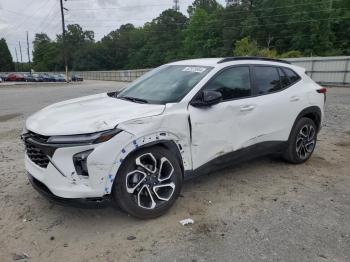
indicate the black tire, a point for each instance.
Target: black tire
{"x":302,"y":141}
{"x":130,"y":174}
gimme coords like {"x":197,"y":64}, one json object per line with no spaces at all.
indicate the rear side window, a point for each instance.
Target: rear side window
{"x":267,"y":79}
{"x":232,"y":83}
{"x":284,"y":78}
{"x":292,"y":76}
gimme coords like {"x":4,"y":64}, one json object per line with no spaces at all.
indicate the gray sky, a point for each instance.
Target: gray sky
{"x":101,"y":16}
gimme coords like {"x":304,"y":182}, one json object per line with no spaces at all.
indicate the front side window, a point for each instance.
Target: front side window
{"x":167,"y":84}
{"x":232,"y":83}
{"x":267,"y":79}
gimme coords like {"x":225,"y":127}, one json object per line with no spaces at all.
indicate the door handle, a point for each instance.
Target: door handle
{"x":294,"y":99}
{"x":247,"y":108}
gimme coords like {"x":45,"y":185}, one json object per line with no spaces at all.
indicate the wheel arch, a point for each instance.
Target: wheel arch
{"x":167,"y":144}
{"x":164,"y":139}
{"x":313,"y":113}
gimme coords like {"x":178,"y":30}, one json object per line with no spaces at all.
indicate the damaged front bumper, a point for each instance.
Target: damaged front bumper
{"x":100,"y":202}
{"x":55,"y":167}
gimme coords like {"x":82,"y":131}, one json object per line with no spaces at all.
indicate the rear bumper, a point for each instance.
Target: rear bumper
{"x":73,"y":202}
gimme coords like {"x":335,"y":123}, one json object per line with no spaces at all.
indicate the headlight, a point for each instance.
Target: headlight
{"x":93,"y":138}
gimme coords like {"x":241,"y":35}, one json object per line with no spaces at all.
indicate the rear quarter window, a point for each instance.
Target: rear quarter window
{"x":267,"y":79}
{"x":292,"y":76}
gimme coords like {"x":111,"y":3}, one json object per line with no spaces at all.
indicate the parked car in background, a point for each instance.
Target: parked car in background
{"x":15,"y":77}
{"x":76,"y":78}
{"x":2,"y":77}
{"x":37,"y":78}
{"x":59,"y":78}
{"x":47,"y":77}
{"x":28,"y":77}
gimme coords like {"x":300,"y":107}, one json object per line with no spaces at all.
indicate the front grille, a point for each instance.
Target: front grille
{"x":34,"y":153}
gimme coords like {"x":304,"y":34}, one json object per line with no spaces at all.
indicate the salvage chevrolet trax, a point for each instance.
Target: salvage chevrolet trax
{"x":137,"y":146}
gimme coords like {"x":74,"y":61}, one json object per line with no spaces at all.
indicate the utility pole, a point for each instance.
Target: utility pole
{"x":176,"y":6}
{"x":329,"y":17}
{"x":30,"y":70}
{"x":64,"y":40}
{"x":330,"y":12}
{"x":20,"y":51}
{"x":16,"y":60}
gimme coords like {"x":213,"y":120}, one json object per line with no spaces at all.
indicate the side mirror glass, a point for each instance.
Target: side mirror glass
{"x":207,"y":98}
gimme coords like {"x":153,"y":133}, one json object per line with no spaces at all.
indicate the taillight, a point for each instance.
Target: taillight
{"x":322,"y":90}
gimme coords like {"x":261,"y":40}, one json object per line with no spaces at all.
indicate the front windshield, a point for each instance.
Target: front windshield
{"x":167,"y":84}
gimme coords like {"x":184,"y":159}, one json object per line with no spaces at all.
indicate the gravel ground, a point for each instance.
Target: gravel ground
{"x":264,"y":210}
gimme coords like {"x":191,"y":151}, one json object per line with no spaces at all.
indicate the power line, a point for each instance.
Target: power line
{"x":25,"y":20}
{"x":44,"y":24}
{"x":233,"y":11}
{"x":241,"y":26}
{"x":227,"y":19}
{"x":282,"y":7}
{"x":113,"y":8}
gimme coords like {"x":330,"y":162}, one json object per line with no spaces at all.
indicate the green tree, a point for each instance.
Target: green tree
{"x":76,"y":41}
{"x":208,"y":5}
{"x":244,"y":47}
{"x":6,"y":62}
{"x":203,"y":35}
{"x":271,"y":28}
{"x":163,"y":38}
{"x":115,"y":46}
{"x":46,"y":54}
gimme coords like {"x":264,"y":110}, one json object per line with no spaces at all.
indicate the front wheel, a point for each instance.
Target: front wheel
{"x":302,"y":141}
{"x":148,"y":182}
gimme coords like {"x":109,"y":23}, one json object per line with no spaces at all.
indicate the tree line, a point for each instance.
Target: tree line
{"x":271,"y":28}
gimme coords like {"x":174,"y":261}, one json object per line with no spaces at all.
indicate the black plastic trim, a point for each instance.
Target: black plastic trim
{"x":238,"y":58}
{"x":238,"y":156}
{"x":72,"y":202}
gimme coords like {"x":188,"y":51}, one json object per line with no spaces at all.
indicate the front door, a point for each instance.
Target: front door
{"x":222,"y":128}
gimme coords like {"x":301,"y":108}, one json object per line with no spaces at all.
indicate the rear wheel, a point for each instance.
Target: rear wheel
{"x":148,"y":182}
{"x":302,"y":141}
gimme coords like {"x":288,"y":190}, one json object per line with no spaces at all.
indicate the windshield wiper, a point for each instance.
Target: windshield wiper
{"x":133,"y":99}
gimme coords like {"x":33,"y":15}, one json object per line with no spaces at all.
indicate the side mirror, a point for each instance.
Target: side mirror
{"x":207,"y":98}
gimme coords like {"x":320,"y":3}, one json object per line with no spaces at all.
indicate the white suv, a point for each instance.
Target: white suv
{"x":182,"y":119}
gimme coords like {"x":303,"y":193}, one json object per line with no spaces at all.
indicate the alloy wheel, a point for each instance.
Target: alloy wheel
{"x":305,"y":142}
{"x":152,"y":182}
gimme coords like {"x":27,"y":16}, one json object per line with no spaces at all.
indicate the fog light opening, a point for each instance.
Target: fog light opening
{"x":80,"y":163}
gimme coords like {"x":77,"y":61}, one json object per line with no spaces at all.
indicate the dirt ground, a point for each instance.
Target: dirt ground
{"x":264,"y":210}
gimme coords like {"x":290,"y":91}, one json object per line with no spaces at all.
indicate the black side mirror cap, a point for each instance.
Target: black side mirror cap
{"x":207,"y":98}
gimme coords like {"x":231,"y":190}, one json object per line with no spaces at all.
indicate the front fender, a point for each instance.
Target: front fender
{"x":144,"y":141}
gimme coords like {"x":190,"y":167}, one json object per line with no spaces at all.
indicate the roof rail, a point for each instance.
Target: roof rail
{"x":237,"y":58}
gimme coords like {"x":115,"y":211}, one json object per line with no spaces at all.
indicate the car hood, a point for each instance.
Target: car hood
{"x":88,"y":115}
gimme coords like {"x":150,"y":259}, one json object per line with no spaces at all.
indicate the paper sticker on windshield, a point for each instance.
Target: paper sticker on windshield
{"x":194,"y":69}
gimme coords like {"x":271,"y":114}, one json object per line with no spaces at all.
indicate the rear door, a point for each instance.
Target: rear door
{"x":278,"y":100}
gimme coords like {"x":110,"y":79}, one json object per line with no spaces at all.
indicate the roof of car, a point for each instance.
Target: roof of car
{"x":221,"y":60}
{"x":239,"y":58}
{"x":199,"y":61}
